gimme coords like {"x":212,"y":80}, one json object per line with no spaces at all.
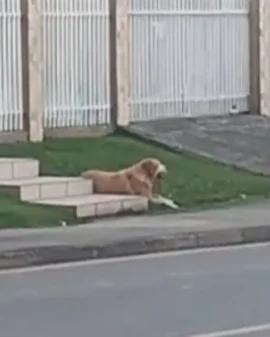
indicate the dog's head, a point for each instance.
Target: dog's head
{"x":154,"y":168}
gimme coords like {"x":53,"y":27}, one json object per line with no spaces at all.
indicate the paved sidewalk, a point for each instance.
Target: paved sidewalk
{"x":135,"y":235}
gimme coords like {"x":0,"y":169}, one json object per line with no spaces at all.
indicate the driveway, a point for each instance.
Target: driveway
{"x":242,"y":140}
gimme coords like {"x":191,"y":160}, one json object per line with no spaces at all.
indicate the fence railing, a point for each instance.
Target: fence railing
{"x":189,"y":58}
{"x":11,"y":107}
{"x":76,"y":54}
{"x":79,"y":64}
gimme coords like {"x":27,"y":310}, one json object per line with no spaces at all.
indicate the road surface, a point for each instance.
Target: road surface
{"x":205,"y":293}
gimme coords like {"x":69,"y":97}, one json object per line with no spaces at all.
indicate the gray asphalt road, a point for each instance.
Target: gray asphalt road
{"x":164,"y":296}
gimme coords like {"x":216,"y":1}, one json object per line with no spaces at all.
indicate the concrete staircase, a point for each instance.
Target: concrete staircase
{"x":20,"y":177}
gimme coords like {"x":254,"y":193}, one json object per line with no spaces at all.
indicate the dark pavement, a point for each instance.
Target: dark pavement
{"x":248,"y":223}
{"x":241,"y":140}
{"x":201,"y":293}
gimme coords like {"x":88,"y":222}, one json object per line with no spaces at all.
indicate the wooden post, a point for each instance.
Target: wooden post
{"x":254,"y":57}
{"x":264,"y":74}
{"x":32,"y":59}
{"x":123,"y":61}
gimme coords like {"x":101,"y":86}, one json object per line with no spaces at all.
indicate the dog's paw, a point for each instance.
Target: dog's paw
{"x":171,"y":204}
{"x":174,"y":206}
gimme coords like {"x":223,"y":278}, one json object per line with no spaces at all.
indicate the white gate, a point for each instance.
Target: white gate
{"x":11,"y":106}
{"x":189,"y":57}
{"x":76,"y":44}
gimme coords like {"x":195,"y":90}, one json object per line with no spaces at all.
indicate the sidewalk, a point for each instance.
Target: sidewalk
{"x":135,"y":235}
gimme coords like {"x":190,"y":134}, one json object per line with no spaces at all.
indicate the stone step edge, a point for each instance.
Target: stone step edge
{"x":99,"y":208}
{"x":31,"y":189}
{"x":37,"y":180}
{"x":20,"y":168}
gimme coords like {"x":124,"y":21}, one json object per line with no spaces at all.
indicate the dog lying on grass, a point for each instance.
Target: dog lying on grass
{"x":142,"y":179}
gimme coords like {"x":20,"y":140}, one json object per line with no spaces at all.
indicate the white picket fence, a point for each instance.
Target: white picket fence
{"x":76,"y":45}
{"x":11,"y":108}
{"x":189,"y":58}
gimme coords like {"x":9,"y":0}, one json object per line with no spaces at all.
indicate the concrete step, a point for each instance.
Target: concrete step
{"x":18,"y":168}
{"x":47,"y":187}
{"x":96,"y":205}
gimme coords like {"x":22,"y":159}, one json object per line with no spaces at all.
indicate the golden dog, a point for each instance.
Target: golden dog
{"x":140,"y":179}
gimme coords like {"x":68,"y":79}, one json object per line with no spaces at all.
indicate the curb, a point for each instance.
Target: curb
{"x":38,"y":256}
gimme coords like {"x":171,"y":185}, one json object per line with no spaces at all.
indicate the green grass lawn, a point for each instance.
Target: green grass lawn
{"x":194,"y":182}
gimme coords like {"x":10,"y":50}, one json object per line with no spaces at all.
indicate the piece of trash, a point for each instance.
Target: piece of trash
{"x":63,"y":223}
{"x":234,"y":110}
{"x":243,"y":196}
